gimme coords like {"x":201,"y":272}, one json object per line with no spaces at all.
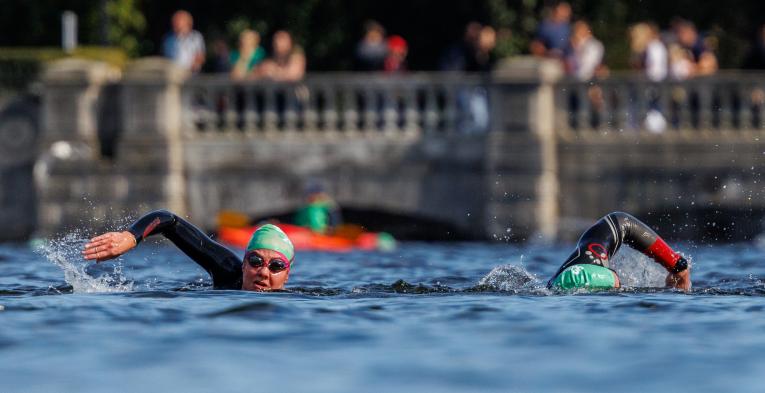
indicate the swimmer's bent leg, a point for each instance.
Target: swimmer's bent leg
{"x":585,"y":276}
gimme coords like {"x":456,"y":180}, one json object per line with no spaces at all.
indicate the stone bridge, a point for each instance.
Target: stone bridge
{"x":518,"y":154}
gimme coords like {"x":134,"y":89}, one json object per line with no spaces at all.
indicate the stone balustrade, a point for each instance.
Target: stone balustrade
{"x":518,"y":153}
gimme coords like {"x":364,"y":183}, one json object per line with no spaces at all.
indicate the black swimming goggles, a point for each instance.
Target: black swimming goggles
{"x":275,"y":265}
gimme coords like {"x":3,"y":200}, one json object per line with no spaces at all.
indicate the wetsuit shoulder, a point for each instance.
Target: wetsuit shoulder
{"x":222,"y":264}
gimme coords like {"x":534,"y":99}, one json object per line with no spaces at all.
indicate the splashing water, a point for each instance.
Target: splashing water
{"x":635,"y":270}
{"x":65,"y":253}
{"x":511,"y":278}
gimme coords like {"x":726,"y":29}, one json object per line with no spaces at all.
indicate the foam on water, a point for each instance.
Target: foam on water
{"x":65,"y":253}
{"x":511,"y":278}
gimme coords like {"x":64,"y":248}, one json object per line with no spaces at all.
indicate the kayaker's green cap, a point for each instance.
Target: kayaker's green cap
{"x":585,"y":276}
{"x":270,"y":237}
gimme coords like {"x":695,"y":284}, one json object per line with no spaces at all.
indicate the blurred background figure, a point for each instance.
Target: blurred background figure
{"x":584,"y":58}
{"x":700,"y":58}
{"x":482,"y":59}
{"x":648,"y":53}
{"x":320,"y":213}
{"x":755,"y":59}
{"x":218,"y":60}
{"x":457,"y":56}
{"x":395,"y":61}
{"x":287,"y":62}
{"x":372,"y":49}
{"x":184,"y":45}
{"x":650,"y":56}
{"x":552,"y":36}
{"x":249,"y":54}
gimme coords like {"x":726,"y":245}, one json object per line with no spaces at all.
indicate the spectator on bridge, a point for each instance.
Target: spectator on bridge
{"x":458,"y":55}
{"x":184,"y":45}
{"x":218,"y":60}
{"x":482,"y":59}
{"x":755,"y":59}
{"x":584,"y":57}
{"x":648,"y":52}
{"x":650,"y":56}
{"x":700,"y":54}
{"x":395,"y":61}
{"x":287,"y":62}
{"x":372,"y":49}
{"x":552,"y":36}
{"x":244,"y":60}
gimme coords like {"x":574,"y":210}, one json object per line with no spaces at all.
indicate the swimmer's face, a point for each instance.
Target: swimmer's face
{"x":264,"y":270}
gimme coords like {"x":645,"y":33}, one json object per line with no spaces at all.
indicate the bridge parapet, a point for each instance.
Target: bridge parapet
{"x":513,"y":154}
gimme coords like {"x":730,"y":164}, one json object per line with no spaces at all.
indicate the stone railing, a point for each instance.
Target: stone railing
{"x":513,"y":154}
{"x":338,"y":103}
{"x":730,"y":102}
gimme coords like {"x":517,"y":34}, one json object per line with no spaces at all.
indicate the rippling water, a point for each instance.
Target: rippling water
{"x":428,"y":317}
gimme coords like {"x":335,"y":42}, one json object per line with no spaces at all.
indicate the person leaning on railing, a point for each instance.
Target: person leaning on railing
{"x":287,"y":62}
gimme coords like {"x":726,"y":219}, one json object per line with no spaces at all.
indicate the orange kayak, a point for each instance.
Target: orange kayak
{"x":345,"y":240}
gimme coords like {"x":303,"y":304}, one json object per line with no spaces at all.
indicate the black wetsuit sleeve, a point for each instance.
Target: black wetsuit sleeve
{"x":599,"y":243}
{"x":224,"y":266}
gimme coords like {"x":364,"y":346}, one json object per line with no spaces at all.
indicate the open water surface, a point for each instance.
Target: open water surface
{"x":427,"y":317}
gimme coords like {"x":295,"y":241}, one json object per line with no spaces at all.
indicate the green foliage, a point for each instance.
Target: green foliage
{"x":19,"y":66}
{"x":125,"y":24}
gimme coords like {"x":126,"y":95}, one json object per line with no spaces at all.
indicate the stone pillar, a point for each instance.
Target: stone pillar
{"x":151,"y":143}
{"x":69,"y":146}
{"x":522,"y":156}
{"x":71,"y":93}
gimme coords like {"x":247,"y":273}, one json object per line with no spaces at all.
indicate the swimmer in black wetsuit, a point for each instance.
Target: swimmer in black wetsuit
{"x":268,"y":257}
{"x":589,"y":264}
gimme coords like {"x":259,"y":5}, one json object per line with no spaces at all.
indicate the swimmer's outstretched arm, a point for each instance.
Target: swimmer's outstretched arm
{"x":600,"y":242}
{"x":642,"y":238}
{"x":222,"y":264}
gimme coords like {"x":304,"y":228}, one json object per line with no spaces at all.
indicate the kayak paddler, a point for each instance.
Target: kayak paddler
{"x":320,"y":213}
{"x":265,"y":266}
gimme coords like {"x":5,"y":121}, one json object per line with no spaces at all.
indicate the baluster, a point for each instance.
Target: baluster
{"x":583,"y":109}
{"x":744,"y":110}
{"x":291,"y":98}
{"x":390,"y":113}
{"x":411,"y":113}
{"x":368,"y":113}
{"x":726,"y":110}
{"x":599,"y":96}
{"x":431,"y":109}
{"x":621,"y":106}
{"x":350,"y":112}
{"x":311,"y":109}
{"x":450,"y":109}
{"x":228,"y":101}
{"x":270,"y":116}
{"x":251,"y":117}
{"x":205,"y":103}
{"x":706,"y":106}
{"x":563,"y":114}
{"x":330,"y":118}
{"x":683,"y":96}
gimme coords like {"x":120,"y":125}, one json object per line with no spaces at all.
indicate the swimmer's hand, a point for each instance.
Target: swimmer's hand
{"x":680,"y":280}
{"x":108,"y":246}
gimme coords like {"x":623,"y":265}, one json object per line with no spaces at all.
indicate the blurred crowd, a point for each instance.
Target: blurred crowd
{"x":679,"y":52}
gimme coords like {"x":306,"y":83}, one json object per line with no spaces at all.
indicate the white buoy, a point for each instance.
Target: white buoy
{"x":2,"y":307}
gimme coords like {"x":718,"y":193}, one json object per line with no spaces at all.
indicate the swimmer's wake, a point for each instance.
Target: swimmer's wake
{"x":65,"y":253}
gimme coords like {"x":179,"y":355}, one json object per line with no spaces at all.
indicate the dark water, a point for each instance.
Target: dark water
{"x":428,"y":317}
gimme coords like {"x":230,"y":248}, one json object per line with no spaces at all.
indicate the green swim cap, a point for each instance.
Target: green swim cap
{"x":270,"y":237}
{"x":585,"y":276}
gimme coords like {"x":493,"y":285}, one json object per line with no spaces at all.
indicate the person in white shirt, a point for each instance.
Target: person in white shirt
{"x":184,"y":45}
